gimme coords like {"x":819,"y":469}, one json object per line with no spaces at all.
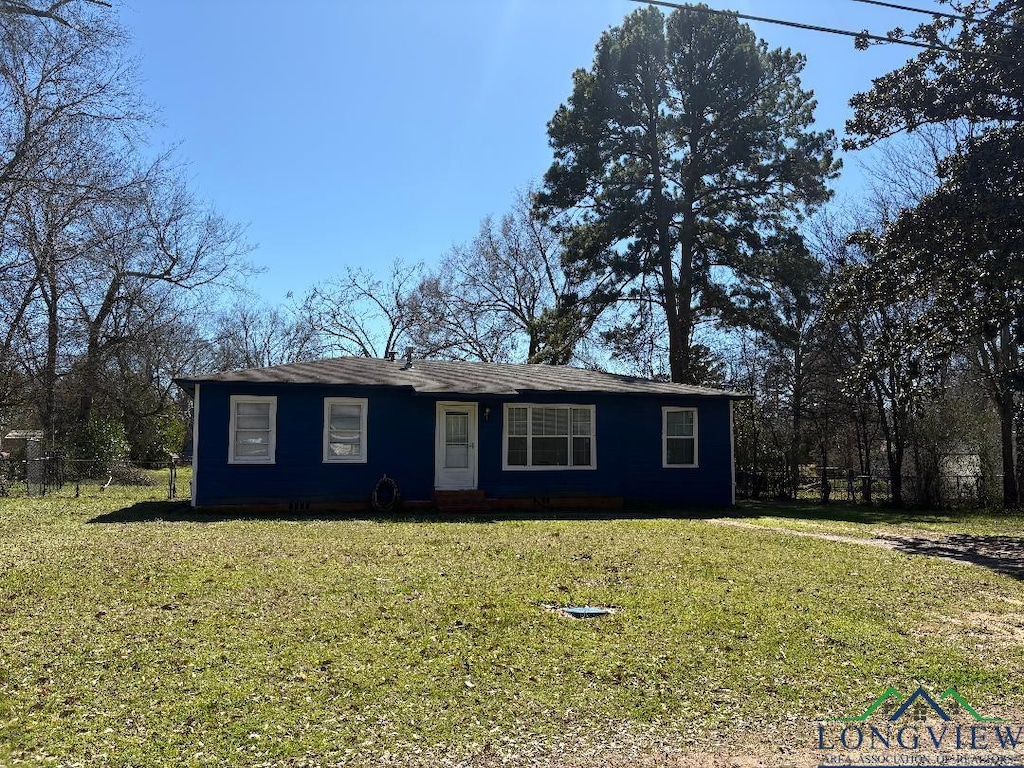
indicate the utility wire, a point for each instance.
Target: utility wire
{"x":939,"y":14}
{"x":863,"y":35}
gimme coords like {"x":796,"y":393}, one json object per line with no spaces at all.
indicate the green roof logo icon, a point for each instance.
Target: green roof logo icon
{"x":918,"y":706}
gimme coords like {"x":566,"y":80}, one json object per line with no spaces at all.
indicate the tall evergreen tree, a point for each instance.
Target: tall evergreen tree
{"x":686,"y":143}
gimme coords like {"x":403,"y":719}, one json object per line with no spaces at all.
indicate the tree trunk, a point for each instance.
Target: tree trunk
{"x":797,"y":421}
{"x":682,"y":310}
{"x":685,"y":320}
{"x":89,"y":382}
{"x":894,"y":445}
{"x":50,"y":372}
{"x":92,"y":365}
{"x":860,"y":426}
{"x":1008,"y":444}
{"x":1003,"y":360}
{"x":49,"y":289}
{"x":894,"y":453}
{"x":826,"y":487}
{"x":671,"y":298}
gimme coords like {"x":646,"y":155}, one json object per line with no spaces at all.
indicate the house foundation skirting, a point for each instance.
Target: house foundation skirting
{"x":443,"y":502}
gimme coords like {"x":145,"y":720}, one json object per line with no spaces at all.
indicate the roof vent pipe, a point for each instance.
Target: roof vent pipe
{"x":408,"y":357}
{"x":391,"y":354}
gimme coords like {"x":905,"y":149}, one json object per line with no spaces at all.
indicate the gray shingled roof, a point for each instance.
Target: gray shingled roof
{"x":452,"y":376}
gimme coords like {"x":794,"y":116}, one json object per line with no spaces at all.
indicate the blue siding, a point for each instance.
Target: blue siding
{"x":400,"y":443}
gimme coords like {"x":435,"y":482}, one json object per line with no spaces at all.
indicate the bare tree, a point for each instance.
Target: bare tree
{"x":508,"y":295}
{"x":357,"y":313}
{"x":55,"y":84}
{"x":151,"y":236}
{"x":64,"y":94}
{"x":137,"y":385}
{"x":97,"y":240}
{"x":56,"y":11}
{"x":252,"y":335}
{"x":103,"y":262}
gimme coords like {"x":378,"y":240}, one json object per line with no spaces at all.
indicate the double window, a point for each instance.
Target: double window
{"x":252,"y":432}
{"x":679,"y":437}
{"x":345,"y":430}
{"x":549,"y":437}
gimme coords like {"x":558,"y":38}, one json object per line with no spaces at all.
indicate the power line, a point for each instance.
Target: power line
{"x":863,"y":35}
{"x":938,"y":14}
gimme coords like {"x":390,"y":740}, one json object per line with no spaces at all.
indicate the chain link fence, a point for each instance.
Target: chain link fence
{"x":55,"y":475}
{"x":847,"y":485}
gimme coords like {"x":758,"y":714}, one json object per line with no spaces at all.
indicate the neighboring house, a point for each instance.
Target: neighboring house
{"x":22,"y":443}
{"x":961,"y":475}
{"x":323,"y":433}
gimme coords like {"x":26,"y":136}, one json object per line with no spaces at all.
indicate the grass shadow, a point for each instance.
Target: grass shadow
{"x":1002,"y":554}
{"x":182,"y":512}
{"x":844,"y":512}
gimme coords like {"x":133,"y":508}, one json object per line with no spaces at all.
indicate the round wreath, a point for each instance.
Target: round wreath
{"x":387,"y":488}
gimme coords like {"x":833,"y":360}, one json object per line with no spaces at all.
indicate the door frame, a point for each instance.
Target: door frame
{"x":474,"y":442}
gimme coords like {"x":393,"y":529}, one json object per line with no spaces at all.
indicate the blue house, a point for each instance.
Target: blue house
{"x":323,"y":434}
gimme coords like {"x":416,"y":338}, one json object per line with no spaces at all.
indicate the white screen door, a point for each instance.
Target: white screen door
{"x":455,"y":446}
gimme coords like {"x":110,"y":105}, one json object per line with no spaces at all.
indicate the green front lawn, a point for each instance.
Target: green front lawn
{"x":306,"y":642}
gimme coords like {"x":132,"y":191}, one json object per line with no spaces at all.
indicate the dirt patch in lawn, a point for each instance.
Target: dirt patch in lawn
{"x":1002,"y":627}
{"x":993,"y":636}
{"x":660,"y":760}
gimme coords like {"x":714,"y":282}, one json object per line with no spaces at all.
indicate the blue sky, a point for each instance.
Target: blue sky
{"x":344,"y":132}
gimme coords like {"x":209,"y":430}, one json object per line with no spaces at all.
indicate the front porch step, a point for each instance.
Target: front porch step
{"x":460,"y":501}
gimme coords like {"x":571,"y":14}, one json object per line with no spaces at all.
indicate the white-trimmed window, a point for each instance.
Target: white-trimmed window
{"x":549,"y":437}
{"x":679,"y":437}
{"x":345,"y":430}
{"x":252,"y":431}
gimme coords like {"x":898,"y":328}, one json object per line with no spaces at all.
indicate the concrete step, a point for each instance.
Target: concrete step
{"x":460,"y":501}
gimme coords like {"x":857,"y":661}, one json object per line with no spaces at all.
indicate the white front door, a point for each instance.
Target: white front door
{"x":455,"y":447}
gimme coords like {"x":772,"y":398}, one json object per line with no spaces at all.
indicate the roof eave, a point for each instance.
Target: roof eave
{"x":188,"y":386}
